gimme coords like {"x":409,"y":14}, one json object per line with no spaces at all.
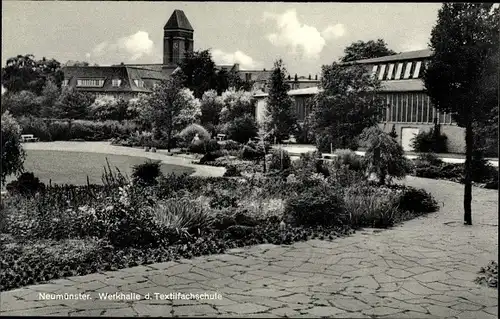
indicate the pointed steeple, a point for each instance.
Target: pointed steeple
{"x":178,"y":21}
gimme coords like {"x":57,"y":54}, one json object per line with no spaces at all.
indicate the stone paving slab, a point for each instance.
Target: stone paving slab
{"x":421,"y":269}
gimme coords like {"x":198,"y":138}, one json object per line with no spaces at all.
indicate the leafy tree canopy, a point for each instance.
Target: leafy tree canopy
{"x":24,"y":73}
{"x":366,"y":50}
{"x":348,"y":104}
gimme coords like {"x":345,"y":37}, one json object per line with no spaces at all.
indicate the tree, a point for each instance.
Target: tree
{"x":366,"y":50}
{"x":12,"y":152}
{"x":200,"y":74}
{"x":77,"y":63}
{"x":73,"y":104}
{"x":282,"y":117}
{"x":50,"y":94}
{"x":346,"y":106}
{"x":462,"y":76}
{"x":25,"y":73}
{"x":384,"y":156}
{"x":135,"y":111}
{"x":190,"y":109}
{"x":169,"y":108}
{"x":22,"y":103}
{"x":237,"y":103}
{"x":211,"y":107}
{"x":242,"y":129}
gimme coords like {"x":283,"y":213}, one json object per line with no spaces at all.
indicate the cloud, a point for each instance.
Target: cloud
{"x":245,"y":61}
{"x":300,"y":37}
{"x":334,"y":31}
{"x":132,"y":47}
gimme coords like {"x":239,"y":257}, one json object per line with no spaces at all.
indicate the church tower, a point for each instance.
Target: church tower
{"x":177,"y":39}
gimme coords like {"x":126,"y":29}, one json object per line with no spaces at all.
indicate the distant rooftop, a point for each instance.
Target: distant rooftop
{"x":397,"y":57}
{"x":178,"y":20}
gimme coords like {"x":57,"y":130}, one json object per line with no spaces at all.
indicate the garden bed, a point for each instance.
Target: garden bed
{"x":77,"y":230}
{"x":430,"y":166}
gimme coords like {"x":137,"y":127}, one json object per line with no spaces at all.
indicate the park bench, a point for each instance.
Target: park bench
{"x":28,"y":138}
{"x":221,"y":137}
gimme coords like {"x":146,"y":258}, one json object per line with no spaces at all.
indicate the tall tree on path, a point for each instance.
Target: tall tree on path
{"x":462,"y":77}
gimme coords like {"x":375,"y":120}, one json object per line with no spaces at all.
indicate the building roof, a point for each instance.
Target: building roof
{"x":414,"y":85}
{"x":125,"y":73}
{"x":420,"y":54}
{"x":178,"y":20}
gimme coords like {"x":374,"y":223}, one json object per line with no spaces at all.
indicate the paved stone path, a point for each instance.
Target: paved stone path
{"x":422,"y":269}
{"x":107,"y":148}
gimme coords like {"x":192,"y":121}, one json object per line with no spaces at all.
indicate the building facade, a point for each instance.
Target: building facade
{"x":408,"y":108}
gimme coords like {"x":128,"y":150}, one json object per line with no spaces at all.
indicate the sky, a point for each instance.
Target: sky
{"x":305,"y":35}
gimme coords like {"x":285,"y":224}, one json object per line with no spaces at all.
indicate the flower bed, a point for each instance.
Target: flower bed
{"x":66,"y":231}
{"x":429,"y":166}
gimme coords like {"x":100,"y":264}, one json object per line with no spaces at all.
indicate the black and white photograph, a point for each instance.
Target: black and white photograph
{"x":249,"y":159}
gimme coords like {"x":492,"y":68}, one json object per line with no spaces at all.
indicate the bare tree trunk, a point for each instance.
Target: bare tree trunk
{"x":469,"y":141}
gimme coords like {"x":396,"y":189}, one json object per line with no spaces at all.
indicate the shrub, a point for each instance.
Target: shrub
{"x":482,"y":170}
{"x":35,"y":126}
{"x":426,"y":159}
{"x":223,"y":199}
{"x":430,"y":141}
{"x":384,"y":156}
{"x":212,"y":146}
{"x":59,"y":131}
{"x":83,"y":131}
{"x":344,"y":176}
{"x":279,"y":160}
{"x":123,"y":226}
{"x":231,"y":145}
{"x":316,"y":206}
{"x":187,"y":135}
{"x":12,"y":152}
{"x":26,"y":184}
{"x":147,"y":173}
{"x":417,"y":201}
{"x":311,"y":163}
{"x":242,"y":129}
{"x":368,"y":206}
{"x":181,"y":214}
{"x":211,"y":156}
{"x":251,"y":153}
{"x":393,"y":132}
{"x":350,"y":159}
{"x":78,"y":130}
{"x":198,"y":147}
{"x":305,"y":133}
{"x":232,"y":171}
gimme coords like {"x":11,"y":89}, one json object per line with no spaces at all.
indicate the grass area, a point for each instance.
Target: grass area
{"x":74,"y":167}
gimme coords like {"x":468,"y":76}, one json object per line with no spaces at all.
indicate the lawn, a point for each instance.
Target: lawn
{"x":74,"y":167}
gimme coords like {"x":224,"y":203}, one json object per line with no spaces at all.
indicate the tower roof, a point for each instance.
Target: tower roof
{"x":178,"y":20}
